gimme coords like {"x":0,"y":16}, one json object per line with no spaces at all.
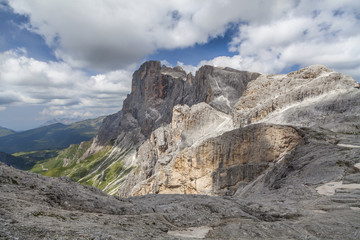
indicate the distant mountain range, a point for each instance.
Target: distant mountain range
{"x":5,"y":131}
{"x":66,"y":121}
{"x":54,"y":136}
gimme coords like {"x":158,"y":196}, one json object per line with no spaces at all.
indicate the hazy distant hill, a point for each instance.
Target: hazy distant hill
{"x":66,"y":121}
{"x":55,"y":136}
{"x":5,"y":131}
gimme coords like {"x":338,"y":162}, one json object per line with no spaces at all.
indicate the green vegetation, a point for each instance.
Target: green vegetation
{"x":103,"y":170}
{"x":55,"y":136}
{"x":98,"y":170}
{"x":55,"y":166}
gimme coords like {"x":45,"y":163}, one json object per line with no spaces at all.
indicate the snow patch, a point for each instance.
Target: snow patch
{"x":329,"y":189}
{"x":357,"y":165}
{"x":192,"y":232}
{"x":348,"y":146}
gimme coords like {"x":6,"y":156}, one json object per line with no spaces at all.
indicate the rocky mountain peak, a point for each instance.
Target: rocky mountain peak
{"x":157,"y":89}
{"x":312,"y":71}
{"x":271,"y":97}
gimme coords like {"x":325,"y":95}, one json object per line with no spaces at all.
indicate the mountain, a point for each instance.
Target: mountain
{"x":5,"y":131}
{"x":55,"y":136}
{"x":155,"y":91}
{"x":224,"y":154}
{"x":271,"y":128}
{"x":65,"y":121}
{"x":171,"y":118}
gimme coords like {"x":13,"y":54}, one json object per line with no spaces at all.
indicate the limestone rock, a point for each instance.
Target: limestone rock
{"x":189,"y":127}
{"x":281,"y":203}
{"x":313,"y":96}
{"x":157,"y":89}
{"x":217,"y":166}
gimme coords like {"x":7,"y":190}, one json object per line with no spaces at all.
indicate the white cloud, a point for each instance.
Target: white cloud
{"x":61,"y":111}
{"x":315,"y":32}
{"x":188,"y":68}
{"x":66,"y":91}
{"x":2,"y":108}
{"x":273,"y":35}
{"x":111,"y":34}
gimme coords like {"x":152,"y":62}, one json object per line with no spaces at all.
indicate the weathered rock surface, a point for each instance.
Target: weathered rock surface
{"x":314,"y":97}
{"x":215,"y":166}
{"x":189,"y":127}
{"x":172,"y":123}
{"x":157,"y":89}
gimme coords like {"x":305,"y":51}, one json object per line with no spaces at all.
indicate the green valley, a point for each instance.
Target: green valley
{"x":102,"y":169}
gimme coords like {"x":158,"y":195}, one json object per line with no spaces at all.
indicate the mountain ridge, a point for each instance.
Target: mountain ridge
{"x":55,"y":136}
{"x":65,"y":121}
{"x":5,"y":131}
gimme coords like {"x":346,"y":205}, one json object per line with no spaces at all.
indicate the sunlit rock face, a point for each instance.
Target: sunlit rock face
{"x":216,"y":165}
{"x":312,"y":97}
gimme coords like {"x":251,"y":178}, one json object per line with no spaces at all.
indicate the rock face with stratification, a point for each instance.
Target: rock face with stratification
{"x":157,"y":89}
{"x":199,"y":154}
{"x":314,"y":97}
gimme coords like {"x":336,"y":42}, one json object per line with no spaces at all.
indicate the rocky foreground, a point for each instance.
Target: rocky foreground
{"x":226,"y":154}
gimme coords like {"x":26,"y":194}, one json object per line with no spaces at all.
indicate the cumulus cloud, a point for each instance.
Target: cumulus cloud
{"x":314,"y":32}
{"x":65,"y":91}
{"x":272,"y":35}
{"x":112,"y":34}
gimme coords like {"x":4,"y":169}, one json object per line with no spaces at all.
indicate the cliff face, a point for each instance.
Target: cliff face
{"x":314,"y":96}
{"x":157,"y":89}
{"x":179,"y":133}
{"x":214,"y":166}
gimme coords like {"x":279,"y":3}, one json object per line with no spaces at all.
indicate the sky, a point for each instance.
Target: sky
{"x":71,"y":59}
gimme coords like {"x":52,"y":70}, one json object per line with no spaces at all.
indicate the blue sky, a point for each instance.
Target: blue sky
{"x":73,"y":59}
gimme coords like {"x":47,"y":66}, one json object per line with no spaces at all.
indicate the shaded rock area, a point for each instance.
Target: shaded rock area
{"x":157,"y":89}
